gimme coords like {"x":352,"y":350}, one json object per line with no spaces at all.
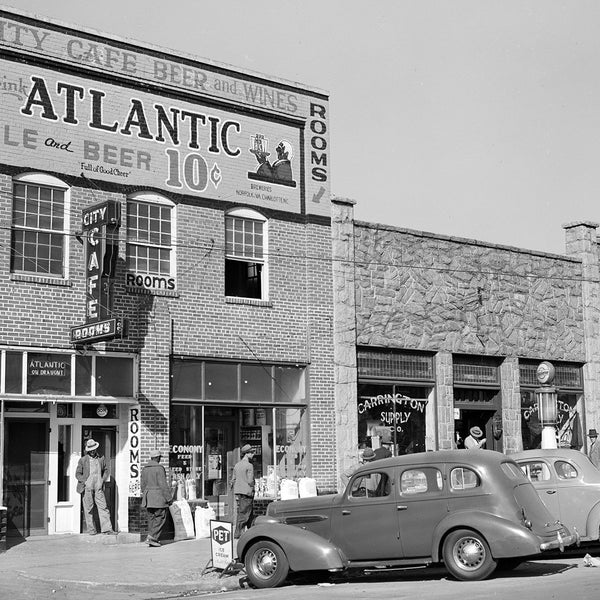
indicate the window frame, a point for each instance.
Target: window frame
{"x":164,"y":202}
{"x":43,"y":180}
{"x":247,"y":214}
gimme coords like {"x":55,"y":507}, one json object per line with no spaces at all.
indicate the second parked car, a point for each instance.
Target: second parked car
{"x":473,"y":510}
{"x":569,"y":485}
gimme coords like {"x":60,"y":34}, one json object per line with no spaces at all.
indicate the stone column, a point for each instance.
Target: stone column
{"x":511,"y":405}
{"x":581,"y":243}
{"x":344,"y":334}
{"x":444,"y":393}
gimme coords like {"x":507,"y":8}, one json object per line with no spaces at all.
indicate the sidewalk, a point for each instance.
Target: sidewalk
{"x":104,"y":561}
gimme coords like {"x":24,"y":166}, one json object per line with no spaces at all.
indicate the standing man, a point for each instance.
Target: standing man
{"x":156,"y":497}
{"x":594,"y":451}
{"x":91,"y":474}
{"x":475,"y":439}
{"x":242,"y":482}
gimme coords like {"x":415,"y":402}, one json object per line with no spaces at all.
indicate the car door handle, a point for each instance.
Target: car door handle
{"x":550,"y":491}
{"x":346,"y":512}
{"x":401,"y":507}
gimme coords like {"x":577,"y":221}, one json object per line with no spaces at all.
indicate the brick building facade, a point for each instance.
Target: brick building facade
{"x":166,"y":273}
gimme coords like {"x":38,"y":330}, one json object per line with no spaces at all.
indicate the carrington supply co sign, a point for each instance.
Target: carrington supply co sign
{"x":159,"y":121}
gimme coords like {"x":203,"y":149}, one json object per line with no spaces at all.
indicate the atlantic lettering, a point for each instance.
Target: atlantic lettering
{"x":70,"y":103}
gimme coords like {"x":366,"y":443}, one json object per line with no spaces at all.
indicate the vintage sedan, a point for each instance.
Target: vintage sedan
{"x":569,"y":485}
{"x":473,"y":510}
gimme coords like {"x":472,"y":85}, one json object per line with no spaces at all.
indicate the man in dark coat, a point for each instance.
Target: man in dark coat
{"x":92,"y":473}
{"x":156,"y":496}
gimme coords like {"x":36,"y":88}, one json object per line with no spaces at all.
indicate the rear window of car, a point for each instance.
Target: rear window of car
{"x":565,"y":470}
{"x":371,"y":485}
{"x":420,"y":481}
{"x":462,"y":478}
{"x":536,"y":471}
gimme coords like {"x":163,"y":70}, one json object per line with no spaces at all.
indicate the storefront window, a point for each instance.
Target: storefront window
{"x":221,"y":381}
{"x":187,"y":379}
{"x":13,"y":382}
{"x":48,"y":373}
{"x":185,"y":452}
{"x":83,"y":375}
{"x":392,"y":415}
{"x":289,"y":384}
{"x":256,"y":383}
{"x":64,"y":454}
{"x":114,"y":376}
{"x":569,"y":434}
{"x":291,"y":442}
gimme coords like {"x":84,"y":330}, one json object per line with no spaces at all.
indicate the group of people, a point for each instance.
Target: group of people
{"x":92,"y":473}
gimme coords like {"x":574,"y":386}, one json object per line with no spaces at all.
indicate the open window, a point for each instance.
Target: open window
{"x":245,"y":254}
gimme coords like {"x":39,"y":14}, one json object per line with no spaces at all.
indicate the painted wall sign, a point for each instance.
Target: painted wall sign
{"x":276,"y":158}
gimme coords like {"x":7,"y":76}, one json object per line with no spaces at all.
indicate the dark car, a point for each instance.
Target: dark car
{"x":473,"y":510}
{"x":569,"y":485}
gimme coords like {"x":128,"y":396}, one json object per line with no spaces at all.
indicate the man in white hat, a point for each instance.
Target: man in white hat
{"x":91,"y":474}
{"x":156,"y":496}
{"x":475,"y":439}
{"x":242,"y":483}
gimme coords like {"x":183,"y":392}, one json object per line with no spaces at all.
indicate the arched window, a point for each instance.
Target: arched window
{"x":40,"y":223}
{"x":245,"y":254}
{"x":150,"y":252}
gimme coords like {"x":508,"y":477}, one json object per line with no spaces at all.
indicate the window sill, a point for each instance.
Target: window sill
{"x":248,"y":301}
{"x":40,"y":279}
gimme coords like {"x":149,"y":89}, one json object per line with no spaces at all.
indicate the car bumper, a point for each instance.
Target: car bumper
{"x":560,"y":542}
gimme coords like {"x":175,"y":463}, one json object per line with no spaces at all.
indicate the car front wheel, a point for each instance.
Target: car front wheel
{"x":467,"y":555}
{"x":266,"y":564}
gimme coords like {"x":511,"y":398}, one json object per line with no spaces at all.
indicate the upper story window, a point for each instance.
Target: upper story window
{"x":245,"y":254}
{"x":150,"y":253}
{"x":39,"y":226}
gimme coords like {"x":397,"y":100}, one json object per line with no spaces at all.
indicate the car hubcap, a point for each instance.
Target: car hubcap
{"x":469,"y":553}
{"x":266,"y":563}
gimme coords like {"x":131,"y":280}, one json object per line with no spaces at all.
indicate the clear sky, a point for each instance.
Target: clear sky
{"x":473,"y":118}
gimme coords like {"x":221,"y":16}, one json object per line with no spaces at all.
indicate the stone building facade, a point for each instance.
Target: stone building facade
{"x":460,"y":325}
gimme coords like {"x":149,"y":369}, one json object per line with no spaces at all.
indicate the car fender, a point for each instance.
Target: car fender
{"x":305,"y":550}
{"x":505,"y":538}
{"x":592,"y":527}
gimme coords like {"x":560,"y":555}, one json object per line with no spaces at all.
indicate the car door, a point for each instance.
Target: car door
{"x":420,"y":507}
{"x":365,"y":525}
{"x":543,"y":478}
{"x":575,"y":498}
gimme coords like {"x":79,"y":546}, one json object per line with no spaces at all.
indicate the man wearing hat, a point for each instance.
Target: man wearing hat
{"x":475,"y":439}
{"x":367,"y":455}
{"x":156,"y":496}
{"x":242,"y":483}
{"x":91,"y":474}
{"x":594,"y":449}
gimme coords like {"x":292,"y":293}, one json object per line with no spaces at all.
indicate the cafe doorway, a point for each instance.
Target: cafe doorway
{"x":107,"y":438}
{"x":26,"y":477}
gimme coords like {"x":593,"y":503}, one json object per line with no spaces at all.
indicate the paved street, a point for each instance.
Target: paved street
{"x":560,"y":578}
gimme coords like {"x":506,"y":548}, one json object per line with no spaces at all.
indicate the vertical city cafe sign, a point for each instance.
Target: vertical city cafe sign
{"x":100,"y":224}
